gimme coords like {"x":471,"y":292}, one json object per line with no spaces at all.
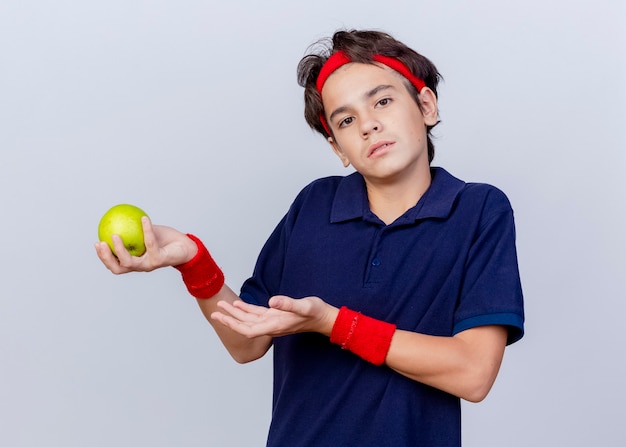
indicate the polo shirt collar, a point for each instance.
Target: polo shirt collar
{"x":351,"y":198}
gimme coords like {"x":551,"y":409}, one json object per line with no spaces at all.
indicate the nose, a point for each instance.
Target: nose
{"x":370,"y":125}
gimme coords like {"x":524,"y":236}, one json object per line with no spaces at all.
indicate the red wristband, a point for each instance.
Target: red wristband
{"x":202,"y":276}
{"x":362,"y":335}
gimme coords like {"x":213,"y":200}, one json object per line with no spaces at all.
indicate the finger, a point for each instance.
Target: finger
{"x":238,"y":313}
{"x":149,"y":237}
{"x":300,"y":306}
{"x":282,"y":302}
{"x":225,"y":319}
{"x":249,"y":308}
{"x":107,"y":258}
{"x":245,"y":329}
{"x":124,"y":258}
{"x":101,"y":251}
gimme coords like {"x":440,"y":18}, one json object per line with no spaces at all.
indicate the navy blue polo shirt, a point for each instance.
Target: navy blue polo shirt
{"x":448,"y":264}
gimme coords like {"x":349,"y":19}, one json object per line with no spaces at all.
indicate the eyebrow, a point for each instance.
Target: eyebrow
{"x":367,"y":95}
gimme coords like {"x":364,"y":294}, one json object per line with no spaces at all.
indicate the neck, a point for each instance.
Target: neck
{"x":390,"y":200}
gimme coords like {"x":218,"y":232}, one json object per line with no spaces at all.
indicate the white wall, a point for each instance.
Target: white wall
{"x":191,"y":110}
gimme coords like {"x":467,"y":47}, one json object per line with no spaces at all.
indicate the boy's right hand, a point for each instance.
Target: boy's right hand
{"x":165,"y":247}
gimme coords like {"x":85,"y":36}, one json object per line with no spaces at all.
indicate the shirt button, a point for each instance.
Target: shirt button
{"x":375,"y":262}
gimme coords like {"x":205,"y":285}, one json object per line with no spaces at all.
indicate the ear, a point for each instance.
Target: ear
{"x":339,"y":152}
{"x":428,"y":102}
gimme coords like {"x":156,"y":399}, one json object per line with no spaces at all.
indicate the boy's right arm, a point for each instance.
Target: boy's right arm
{"x":167,"y":247}
{"x":242,"y":348}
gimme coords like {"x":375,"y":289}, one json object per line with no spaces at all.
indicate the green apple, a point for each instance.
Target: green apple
{"x":125,"y":221}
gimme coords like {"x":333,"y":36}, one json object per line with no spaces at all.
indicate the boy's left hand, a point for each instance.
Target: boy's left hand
{"x":284,"y":316}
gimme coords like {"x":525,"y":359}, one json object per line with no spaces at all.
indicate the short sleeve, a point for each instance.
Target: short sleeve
{"x":268,"y":271}
{"x":491,"y":293}
{"x":265,"y":279}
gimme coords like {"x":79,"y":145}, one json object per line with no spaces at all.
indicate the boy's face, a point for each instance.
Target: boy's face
{"x":377,"y":126}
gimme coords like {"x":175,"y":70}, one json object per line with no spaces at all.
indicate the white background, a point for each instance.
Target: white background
{"x":190,"y":109}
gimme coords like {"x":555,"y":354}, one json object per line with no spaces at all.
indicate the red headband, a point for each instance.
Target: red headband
{"x":340,"y":58}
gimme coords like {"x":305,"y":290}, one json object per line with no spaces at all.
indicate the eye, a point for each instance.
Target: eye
{"x":346,"y":121}
{"x":383,"y":102}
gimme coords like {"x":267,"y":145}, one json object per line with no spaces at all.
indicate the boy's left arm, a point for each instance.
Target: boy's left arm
{"x":465,"y":365}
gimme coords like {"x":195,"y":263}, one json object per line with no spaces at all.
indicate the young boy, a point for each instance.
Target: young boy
{"x":388,"y":294}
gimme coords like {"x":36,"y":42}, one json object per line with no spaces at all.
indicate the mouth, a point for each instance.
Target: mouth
{"x":379,"y":148}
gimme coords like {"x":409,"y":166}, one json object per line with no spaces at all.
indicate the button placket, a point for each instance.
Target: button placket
{"x":375,"y":261}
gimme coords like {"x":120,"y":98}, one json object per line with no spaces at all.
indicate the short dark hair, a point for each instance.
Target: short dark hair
{"x":361,"y":46}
